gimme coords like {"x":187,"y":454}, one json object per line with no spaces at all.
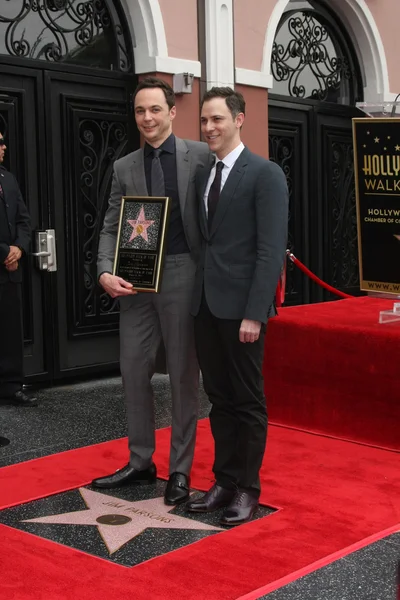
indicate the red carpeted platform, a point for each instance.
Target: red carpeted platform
{"x":332,"y":497}
{"x":332,"y":368}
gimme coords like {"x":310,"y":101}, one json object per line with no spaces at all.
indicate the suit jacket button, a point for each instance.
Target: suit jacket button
{"x":209,"y":243}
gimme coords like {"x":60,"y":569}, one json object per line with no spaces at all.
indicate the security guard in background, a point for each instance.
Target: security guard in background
{"x":15,"y":233}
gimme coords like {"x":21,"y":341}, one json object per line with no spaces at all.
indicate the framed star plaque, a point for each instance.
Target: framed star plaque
{"x":141,"y":241}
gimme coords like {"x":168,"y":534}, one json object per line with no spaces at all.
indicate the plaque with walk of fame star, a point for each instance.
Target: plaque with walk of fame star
{"x":141,"y":241}
{"x":377,"y":175}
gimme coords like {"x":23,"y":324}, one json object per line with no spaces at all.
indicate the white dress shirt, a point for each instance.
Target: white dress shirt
{"x":228,"y":161}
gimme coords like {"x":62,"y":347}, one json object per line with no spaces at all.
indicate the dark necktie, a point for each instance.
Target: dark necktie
{"x":157,"y":175}
{"x":215,"y":190}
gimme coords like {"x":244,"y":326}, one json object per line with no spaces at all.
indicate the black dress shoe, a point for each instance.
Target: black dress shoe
{"x":126,"y":476}
{"x":4,"y":441}
{"x":21,"y":399}
{"x":216,"y":497}
{"x":240,"y":510}
{"x":177,"y":490}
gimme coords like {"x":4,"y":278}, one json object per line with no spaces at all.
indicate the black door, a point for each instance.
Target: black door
{"x":21,"y":93}
{"x":312,"y":142}
{"x":64,"y":132}
{"x":90,"y":129}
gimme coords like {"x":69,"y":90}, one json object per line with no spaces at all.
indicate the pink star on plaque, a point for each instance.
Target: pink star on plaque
{"x":119,"y":521}
{"x":140,"y":226}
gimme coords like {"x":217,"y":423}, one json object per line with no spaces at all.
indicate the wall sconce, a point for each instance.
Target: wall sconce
{"x":182,"y":83}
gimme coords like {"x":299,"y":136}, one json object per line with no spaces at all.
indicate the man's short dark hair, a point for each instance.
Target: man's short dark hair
{"x":155,"y":82}
{"x":234,"y":100}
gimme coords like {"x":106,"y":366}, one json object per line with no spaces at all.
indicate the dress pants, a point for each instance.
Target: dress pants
{"x":232,"y":378}
{"x":145,"y":319}
{"x":11,"y":339}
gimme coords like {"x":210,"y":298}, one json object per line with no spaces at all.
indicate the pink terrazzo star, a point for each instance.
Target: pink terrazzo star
{"x":140,"y":226}
{"x":119,"y":521}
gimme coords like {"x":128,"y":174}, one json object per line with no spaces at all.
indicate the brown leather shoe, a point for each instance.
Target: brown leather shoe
{"x":217,"y":497}
{"x":240,"y":510}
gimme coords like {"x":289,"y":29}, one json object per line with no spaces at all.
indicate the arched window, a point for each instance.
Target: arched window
{"x":313,"y":58}
{"x":79,"y":32}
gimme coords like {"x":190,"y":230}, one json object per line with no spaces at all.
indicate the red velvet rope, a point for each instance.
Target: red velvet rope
{"x":314,"y":277}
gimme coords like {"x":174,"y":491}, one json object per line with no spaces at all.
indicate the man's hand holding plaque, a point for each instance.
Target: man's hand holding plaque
{"x":116,"y":286}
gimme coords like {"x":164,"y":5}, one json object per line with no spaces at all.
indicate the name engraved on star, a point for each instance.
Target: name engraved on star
{"x":114,"y":504}
{"x":141,"y":241}
{"x":149,"y":515}
{"x":137,"y":511}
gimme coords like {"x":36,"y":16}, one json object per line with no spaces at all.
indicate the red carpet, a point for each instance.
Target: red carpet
{"x":331,"y":494}
{"x":332,"y":368}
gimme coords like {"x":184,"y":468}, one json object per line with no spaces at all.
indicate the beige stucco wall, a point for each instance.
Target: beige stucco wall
{"x":250,"y":21}
{"x":180,"y":22}
{"x":387,"y":17}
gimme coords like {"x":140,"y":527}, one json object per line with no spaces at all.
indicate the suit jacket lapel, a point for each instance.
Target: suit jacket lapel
{"x":138,"y":174}
{"x":183,"y":164}
{"x":229,"y":189}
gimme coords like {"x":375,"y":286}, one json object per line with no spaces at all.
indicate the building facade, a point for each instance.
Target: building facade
{"x":67,"y":70}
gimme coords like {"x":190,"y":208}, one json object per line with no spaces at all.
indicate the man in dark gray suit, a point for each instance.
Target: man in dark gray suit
{"x":243,"y":220}
{"x":146,"y":319}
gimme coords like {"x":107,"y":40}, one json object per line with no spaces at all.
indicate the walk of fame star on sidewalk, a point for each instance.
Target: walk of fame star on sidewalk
{"x":140,"y":225}
{"x":119,"y":521}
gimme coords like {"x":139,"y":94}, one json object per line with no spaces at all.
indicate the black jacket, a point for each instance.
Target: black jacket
{"x":15,"y":228}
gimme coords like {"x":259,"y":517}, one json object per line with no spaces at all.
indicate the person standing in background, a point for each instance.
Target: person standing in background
{"x":15,"y":235}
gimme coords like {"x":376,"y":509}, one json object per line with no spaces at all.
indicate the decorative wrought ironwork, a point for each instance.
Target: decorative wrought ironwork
{"x":3,"y":125}
{"x":101,"y":143}
{"x":310,"y":59}
{"x":86,"y":32}
{"x":344,"y":249}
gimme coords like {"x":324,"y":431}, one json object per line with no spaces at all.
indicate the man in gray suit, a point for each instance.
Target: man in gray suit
{"x":243,"y":219}
{"x":166,"y":166}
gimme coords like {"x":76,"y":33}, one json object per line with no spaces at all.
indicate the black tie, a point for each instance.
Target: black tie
{"x":215,"y":190}
{"x":157,"y":175}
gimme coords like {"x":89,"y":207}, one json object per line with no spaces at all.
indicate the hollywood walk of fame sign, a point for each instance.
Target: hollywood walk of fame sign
{"x":377,"y":175}
{"x":141,"y":241}
{"x":119,"y":521}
